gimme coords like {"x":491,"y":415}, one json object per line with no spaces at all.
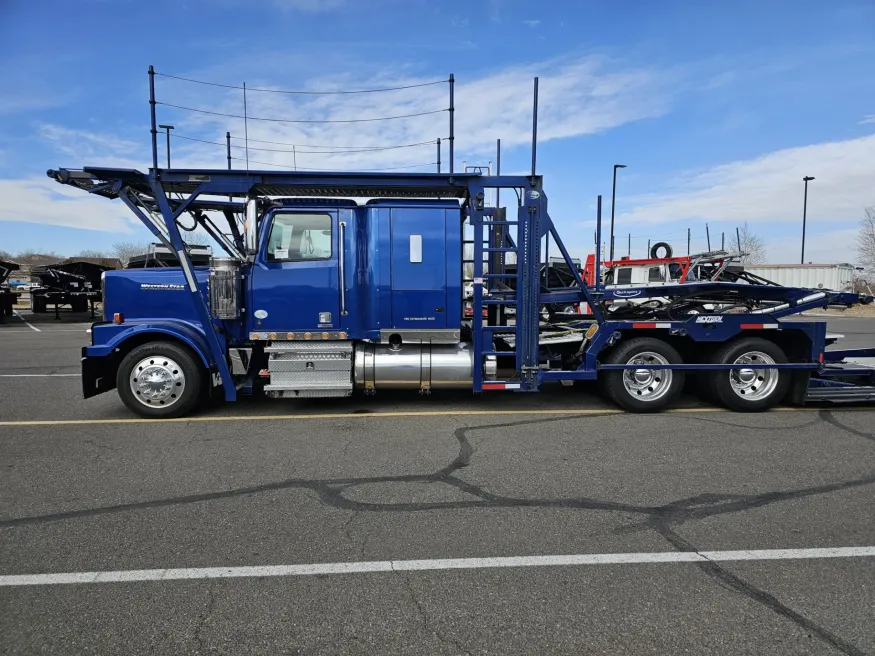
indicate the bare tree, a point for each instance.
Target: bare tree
{"x":5,"y":255}
{"x":125,"y":250}
{"x":752,"y":247}
{"x":33,"y":253}
{"x":866,"y":240}
{"x":196,"y":238}
{"x":92,"y":253}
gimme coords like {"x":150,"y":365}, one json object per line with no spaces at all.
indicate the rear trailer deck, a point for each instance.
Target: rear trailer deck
{"x":322,"y":295}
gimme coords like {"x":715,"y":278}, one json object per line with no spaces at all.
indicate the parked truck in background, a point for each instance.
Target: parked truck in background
{"x":836,"y":277}
{"x":8,"y":297}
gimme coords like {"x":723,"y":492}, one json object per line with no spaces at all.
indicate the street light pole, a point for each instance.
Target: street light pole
{"x":805,"y":213}
{"x":167,"y":129}
{"x":613,"y":202}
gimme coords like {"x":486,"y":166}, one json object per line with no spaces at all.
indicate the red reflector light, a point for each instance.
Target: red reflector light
{"x":118,"y":317}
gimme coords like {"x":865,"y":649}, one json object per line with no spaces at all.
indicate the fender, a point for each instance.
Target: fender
{"x":106,"y":337}
{"x":100,"y":363}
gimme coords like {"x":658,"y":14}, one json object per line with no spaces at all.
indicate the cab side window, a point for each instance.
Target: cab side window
{"x":297,"y":236}
{"x":624,"y":276}
{"x":655,"y":275}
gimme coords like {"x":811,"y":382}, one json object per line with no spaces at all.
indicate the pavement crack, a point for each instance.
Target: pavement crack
{"x":829,"y":418}
{"x":748,"y":427}
{"x":331,"y":493}
{"x":203,"y":618}
{"x":735,"y":583}
{"x":423,"y":616}
{"x":345,"y":527}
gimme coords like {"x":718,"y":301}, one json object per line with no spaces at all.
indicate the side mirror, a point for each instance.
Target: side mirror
{"x":250,"y":226}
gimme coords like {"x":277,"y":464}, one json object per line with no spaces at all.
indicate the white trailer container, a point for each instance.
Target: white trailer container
{"x":837,"y":277}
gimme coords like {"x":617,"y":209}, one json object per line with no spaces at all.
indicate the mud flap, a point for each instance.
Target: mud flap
{"x":798,"y":389}
{"x":98,"y":374}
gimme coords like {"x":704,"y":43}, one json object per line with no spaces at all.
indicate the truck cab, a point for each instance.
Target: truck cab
{"x":326,"y":283}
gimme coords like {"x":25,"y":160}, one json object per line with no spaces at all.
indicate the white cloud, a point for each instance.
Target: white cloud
{"x":870,"y":118}
{"x":769,"y":188}
{"x":577,"y":97}
{"x":531,"y":23}
{"x":43,"y":201}
{"x":834,"y":246}
{"x":85,"y":144}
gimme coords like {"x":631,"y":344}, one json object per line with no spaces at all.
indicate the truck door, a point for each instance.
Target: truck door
{"x":295,"y":278}
{"x":419,"y":260}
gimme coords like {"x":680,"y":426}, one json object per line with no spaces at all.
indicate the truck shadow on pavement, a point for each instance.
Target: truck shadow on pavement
{"x":664,"y":518}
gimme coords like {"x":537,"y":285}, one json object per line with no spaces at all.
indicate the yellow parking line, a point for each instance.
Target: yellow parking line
{"x":376,"y":415}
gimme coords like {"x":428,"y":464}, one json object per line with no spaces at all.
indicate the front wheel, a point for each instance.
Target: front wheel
{"x":749,"y":389}
{"x":159,"y":380}
{"x":642,"y":389}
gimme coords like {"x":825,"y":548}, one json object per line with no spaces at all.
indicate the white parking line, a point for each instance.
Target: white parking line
{"x":26,"y":322}
{"x":377,"y":566}
{"x":6,"y":331}
{"x":38,"y":375}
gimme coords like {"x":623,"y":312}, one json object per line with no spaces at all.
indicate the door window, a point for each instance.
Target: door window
{"x":655,"y":275}
{"x":298,"y":236}
{"x":624,"y":276}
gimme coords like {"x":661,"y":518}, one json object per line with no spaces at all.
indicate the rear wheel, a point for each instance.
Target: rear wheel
{"x":749,"y":389}
{"x":643,"y":389}
{"x":38,"y":305}
{"x":160,"y":379}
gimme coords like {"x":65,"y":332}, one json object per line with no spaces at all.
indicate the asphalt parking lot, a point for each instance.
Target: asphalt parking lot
{"x":534,"y":524}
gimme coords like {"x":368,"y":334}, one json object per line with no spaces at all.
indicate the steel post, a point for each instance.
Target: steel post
{"x":452,"y":119}
{"x":153,"y":117}
{"x":613,"y":202}
{"x":804,"y":214}
{"x":598,"y":241}
{"x":217,"y":353}
{"x":535,"y":128}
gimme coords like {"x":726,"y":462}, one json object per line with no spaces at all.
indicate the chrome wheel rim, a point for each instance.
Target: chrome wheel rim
{"x":754,"y":384}
{"x":157,"y":381}
{"x":647,"y":384}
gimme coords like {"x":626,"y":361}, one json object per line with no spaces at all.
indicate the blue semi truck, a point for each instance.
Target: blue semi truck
{"x":323,"y":294}
{"x":336,"y":282}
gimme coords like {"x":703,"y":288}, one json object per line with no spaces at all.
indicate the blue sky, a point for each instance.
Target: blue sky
{"x":718,"y":109}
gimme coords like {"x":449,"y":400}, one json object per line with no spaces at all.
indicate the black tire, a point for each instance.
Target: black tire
{"x":722,"y":381}
{"x":616,"y":389}
{"x":159,"y":354}
{"x":79,"y":305}
{"x":38,"y":304}
{"x":654,"y":252}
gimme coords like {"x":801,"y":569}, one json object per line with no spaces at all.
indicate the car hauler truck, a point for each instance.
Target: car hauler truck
{"x":322,"y":294}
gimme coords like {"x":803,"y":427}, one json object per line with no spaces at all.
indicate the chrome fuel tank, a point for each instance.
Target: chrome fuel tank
{"x":413,"y":366}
